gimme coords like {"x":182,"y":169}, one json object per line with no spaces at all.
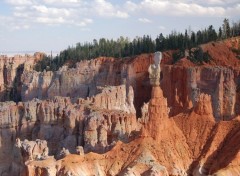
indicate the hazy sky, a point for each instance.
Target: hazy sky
{"x":45,"y":25}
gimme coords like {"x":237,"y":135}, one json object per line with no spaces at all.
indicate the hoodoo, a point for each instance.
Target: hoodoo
{"x":157,"y":109}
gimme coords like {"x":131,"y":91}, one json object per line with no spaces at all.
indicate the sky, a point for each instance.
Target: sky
{"x":53,"y":25}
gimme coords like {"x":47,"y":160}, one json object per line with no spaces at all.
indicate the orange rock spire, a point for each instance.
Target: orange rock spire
{"x":158,"y":110}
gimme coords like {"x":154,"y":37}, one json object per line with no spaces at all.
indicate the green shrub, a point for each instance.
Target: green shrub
{"x":178,"y":55}
{"x":198,"y":56}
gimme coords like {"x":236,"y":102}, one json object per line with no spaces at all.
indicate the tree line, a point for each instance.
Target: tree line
{"x":124,"y":47}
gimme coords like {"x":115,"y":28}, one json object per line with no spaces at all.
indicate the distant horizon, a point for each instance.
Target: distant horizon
{"x":23,"y":53}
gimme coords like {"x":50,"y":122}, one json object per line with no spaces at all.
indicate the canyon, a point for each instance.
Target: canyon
{"x":103,"y":117}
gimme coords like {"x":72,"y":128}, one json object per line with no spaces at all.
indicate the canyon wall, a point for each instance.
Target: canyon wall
{"x":182,"y":87}
{"x":84,"y":80}
{"x":11,"y":69}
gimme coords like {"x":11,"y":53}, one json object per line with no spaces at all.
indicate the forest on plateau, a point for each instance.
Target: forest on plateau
{"x":124,"y":47}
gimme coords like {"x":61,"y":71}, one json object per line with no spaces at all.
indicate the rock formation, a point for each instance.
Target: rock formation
{"x":132,"y":116}
{"x":157,"y":108}
{"x":31,"y":150}
{"x":11,"y":69}
{"x":95,"y":124}
{"x":154,"y":70}
{"x":182,"y":87}
{"x":84,"y":80}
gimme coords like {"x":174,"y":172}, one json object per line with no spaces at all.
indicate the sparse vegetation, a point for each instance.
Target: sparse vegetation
{"x":198,"y":56}
{"x":178,"y":55}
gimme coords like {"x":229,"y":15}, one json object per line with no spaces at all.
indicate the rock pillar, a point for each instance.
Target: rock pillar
{"x":158,"y":110}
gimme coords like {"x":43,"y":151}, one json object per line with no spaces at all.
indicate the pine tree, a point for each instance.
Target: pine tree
{"x":220,"y":33}
{"x":226,"y":28}
{"x":212,"y":35}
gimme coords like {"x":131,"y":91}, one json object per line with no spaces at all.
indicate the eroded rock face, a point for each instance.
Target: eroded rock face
{"x":95,"y":124}
{"x":115,"y":98}
{"x":31,"y":150}
{"x":11,"y":69}
{"x":182,"y":87}
{"x":103,"y":130}
{"x":84,"y":80}
{"x":142,"y":156}
{"x":203,"y":105}
{"x":158,"y":113}
{"x":24,"y":152}
{"x":197,"y":125}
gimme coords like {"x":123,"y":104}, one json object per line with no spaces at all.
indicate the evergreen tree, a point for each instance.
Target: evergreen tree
{"x":220,"y":33}
{"x":226,"y":28}
{"x":199,"y":37}
{"x":193,"y":39}
{"x":212,"y":35}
